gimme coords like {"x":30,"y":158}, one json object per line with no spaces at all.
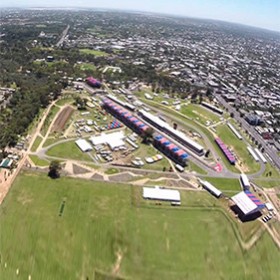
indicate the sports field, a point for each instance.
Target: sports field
{"x":107,"y":228}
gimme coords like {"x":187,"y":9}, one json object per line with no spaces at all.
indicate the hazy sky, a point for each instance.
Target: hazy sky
{"x":262,"y":13}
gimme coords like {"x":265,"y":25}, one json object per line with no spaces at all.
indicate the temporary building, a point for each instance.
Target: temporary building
{"x":209,"y":187}
{"x":83,"y":145}
{"x":247,"y":202}
{"x":245,"y":181}
{"x":158,"y":193}
{"x":114,"y":140}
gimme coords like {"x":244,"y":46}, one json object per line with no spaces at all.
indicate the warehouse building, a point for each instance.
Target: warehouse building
{"x":83,"y":145}
{"x":247,"y":206}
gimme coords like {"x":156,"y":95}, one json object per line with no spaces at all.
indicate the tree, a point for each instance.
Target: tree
{"x":54,"y":169}
{"x":147,"y":135}
{"x":207,"y":153}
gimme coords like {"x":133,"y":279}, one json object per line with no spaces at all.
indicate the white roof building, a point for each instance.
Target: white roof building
{"x":209,"y":187}
{"x":83,"y":145}
{"x":161,"y":194}
{"x":244,"y":203}
{"x":245,"y":181}
{"x":113,"y":140}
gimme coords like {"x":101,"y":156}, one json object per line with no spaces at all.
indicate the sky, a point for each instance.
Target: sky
{"x":260,"y":13}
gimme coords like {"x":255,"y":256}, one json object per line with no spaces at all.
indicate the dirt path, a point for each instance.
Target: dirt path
{"x":117,"y":265}
{"x":50,"y":127}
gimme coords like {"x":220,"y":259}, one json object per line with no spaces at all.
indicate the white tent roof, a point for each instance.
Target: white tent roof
{"x":211,"y":188}
{"x":113,"y":139}
{"x":245,"y":180}
{"x":244,"y":203}
{"x":161,"y":194}
{"x":114,"y":143}
{"x":83,"y":145}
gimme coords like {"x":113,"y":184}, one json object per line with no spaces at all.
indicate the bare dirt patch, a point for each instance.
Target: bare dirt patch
{"x":62,"y":119}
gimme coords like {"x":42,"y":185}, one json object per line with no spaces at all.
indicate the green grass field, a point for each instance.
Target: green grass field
{"x":100,"y":220}
{"x":93,"y":52}
{"x":274,"y":172}
{"x":51,"y":140}
{"x":149,"y":151}
{"x":199,"y":113}
{"x":88,"y":66}
{"x":36,"y":143}
{"x":239,"y":147}
{"x":68,"y":150}
{"x":266,"y":183}
{"x":111,"y":171}
{"x":38,"y":161}
{"x":224,"y":183}
{"x":194,"y":167}
{"x":64,"y":101}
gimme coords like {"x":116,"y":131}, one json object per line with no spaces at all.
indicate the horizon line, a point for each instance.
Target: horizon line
{"x":139,"y":11}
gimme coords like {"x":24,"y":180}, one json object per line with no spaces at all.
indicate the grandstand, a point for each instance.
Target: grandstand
{"x":178,"y":155}
{"x":124,"y":116}
{"x":253,"y":154}
{"x":93,"y":82}
{"x":261,"y":156}
{"x":118,"y":101}
{"x":230,"y":157}
{"x":210,"y":188}
{"x":212,"y":107}
{"x":236,"y":133}
{"x":177,"y":135}
{"x":244,"y":181}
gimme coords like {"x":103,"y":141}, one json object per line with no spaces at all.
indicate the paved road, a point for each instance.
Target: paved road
{"x":267,"y":149}
{"x":63,"y":35}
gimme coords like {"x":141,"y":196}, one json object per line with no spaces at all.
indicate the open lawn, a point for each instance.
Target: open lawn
{"x":64,"y":101}
{"x":224,"y":183}
{"x":149,"y":151}
{"x":271,"y":172}
{"x":68,"y":150}
{"x":68,"y":229}
{"x":87,"y":66}
{"x":36,"y":143}
{"x":267,"y":183}
{"x":199,"y":113}
{"x":51,"y":140}
{"x":194,"y":167}
{"x":239,"y":148}
{"x":93,"y":52}
{"x":111,"y":171}
{"x":38,"y":161}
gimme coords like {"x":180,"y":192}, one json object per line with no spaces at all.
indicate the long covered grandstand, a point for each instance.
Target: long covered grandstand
{"x":124,"y":116}
{"x":177,"y":135}
{"x":172,"y":151}
{"x":228,"y":154}
{"x":161,"y":143}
